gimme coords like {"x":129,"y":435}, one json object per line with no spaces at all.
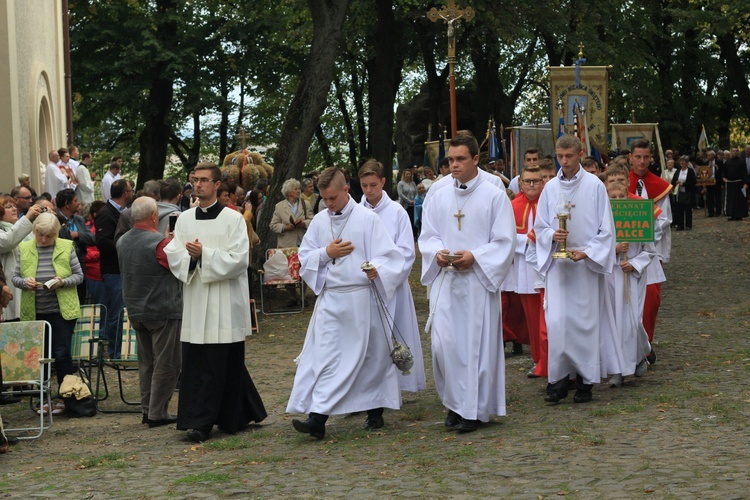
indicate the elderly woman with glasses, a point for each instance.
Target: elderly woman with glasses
{"x":12,"y":232}
{"x":47,"y":273}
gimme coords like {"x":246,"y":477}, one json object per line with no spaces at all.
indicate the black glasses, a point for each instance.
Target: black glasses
{"x":532,"y":182}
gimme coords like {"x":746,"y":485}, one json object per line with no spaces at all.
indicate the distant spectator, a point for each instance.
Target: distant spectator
{"x":111,"y":176}
{"x":407,"y":191}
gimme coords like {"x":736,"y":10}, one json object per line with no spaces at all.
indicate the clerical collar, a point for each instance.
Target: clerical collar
{"x":575,"y":177}
{"x":205,"y":210}
{"x":469,"y":184}
{"x":210,"y":212}
{"x":344,"y":211}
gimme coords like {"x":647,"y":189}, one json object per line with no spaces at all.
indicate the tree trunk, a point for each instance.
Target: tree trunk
{"x":347,"y":123}
{"x":384,"y":77}
{"x":306,"y":107}
{"x":325,"y":149}
{"x":154,"y":139}
{"x":735,"y":72}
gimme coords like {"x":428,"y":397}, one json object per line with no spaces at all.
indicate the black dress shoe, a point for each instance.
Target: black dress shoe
{"x":452,"y":419}
{"x":310,"y":426}
{"x":517,"y":348}
{"x":651,"y":357}
{"x":374,"y":422}
{"x":144,"y":418}
{"x":468,"y":425}
{"x":12,"y":440}
{"x":555,"y":395}
{"x":9,"y":400}
{"x":161,"y":421}
{"x":197,"y":436}
{"x":583,"y":395}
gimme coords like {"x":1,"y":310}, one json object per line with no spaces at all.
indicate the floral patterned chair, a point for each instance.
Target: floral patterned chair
{"x":283,"y":277}
{"x":24,"y":374}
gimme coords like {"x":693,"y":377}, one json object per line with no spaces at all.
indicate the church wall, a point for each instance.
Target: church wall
{"x":32,"y":91}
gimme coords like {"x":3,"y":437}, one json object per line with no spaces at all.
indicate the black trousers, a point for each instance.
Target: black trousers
{"x":683,"y":216}
{"x":216,"y":388}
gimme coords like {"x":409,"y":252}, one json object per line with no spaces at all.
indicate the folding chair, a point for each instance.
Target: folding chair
{"x":128,"y":361}
{"x":254,"y":317}
{"x":85,"y":347}
{"x":291,"y":279}
{"x":24,"y":354}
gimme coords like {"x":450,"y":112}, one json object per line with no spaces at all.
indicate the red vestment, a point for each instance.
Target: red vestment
{"x":656,"y":188}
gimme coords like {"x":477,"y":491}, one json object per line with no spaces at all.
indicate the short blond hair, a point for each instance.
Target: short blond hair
{"x":46,"y":224}
{"x":331,"y":177}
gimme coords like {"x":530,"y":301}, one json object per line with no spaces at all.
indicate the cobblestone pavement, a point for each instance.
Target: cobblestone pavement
{"x":679,"y":432}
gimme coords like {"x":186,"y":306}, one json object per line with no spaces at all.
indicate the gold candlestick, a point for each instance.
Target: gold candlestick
{"x":562,"y":250}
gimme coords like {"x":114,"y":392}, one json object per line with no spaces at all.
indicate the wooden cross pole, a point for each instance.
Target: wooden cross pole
{"x":450,"y":14}
{"x":242,"y":136}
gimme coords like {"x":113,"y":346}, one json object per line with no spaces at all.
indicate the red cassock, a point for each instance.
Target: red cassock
{"x":657,"y":188}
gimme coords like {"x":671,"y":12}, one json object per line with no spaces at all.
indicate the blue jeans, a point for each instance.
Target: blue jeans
{"x":115,"y":305}
{"x":62,"y":335}
{"x":96,"y":290}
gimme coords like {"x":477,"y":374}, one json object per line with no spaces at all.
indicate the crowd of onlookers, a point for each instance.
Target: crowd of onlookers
{"x":71,"y":219}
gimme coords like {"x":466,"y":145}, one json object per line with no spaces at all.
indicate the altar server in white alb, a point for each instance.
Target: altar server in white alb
{"x":401,"y":306}
{"x":625,"y":352}
{"x":471,"y":219}
{"x":345,"y":364}
{"x":209,"y":254}
{"x":577,"y":302}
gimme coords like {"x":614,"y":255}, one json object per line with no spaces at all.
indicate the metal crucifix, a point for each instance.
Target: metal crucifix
{"x":450,"y":14}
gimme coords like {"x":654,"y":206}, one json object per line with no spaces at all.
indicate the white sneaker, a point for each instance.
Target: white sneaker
{"x":616,"y":380}
{"x":641,"y":368}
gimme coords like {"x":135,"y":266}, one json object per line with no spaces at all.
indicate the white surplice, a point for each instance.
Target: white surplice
{"x":578,"y":308}
{"x":622,"y":351}
{"x":465,"y":314}
{"x":345,"y":364}
{"x":401,"y":305}
{"x":216,"y":309}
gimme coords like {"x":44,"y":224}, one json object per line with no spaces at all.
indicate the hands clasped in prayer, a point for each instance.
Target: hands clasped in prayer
{"x":194,"y":249}
{"x":464,"y":262}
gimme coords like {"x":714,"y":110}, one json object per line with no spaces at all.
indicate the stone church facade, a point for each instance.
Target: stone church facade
{"x":32,"y":88}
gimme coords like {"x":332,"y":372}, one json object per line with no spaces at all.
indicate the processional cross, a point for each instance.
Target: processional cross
{"x":450,"y":14}
{"x":242,"y":136}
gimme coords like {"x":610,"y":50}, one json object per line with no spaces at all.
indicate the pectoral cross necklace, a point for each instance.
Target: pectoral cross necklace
{"x":459,"y":214}
{"x":334,"y":236}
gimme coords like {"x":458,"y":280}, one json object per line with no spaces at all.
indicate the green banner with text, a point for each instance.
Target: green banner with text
{"x":634,"y":220}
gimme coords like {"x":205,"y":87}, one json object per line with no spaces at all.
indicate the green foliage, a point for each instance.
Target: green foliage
{"x":239,"y":63}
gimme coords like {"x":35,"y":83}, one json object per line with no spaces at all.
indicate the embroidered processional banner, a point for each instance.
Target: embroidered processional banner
{"x":624,"y":134}
{"x":580,"y":88}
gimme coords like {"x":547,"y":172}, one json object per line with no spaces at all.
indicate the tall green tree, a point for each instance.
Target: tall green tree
{"x":309,"y":102}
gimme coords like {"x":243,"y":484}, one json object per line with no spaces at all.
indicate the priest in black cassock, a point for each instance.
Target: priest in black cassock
{"x":209,"y":254}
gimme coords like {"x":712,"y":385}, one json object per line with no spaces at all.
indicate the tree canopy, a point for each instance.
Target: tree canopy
{"x":154,"y":79}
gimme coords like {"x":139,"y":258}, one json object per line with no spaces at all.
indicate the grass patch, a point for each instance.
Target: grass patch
{"x":113,"y":460}
{"x":253,"y":460}
{"x":206,"y":477}
{"x":228,"y":443}
{"x":608,"y":411}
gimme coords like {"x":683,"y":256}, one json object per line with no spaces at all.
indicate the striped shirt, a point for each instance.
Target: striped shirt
{"x":46,"y":300}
